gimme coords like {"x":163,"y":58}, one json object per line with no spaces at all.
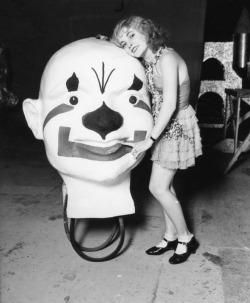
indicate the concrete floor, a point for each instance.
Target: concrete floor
{"x":38,"y":263}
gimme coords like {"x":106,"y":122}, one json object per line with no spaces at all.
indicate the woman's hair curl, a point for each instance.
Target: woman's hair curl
{"x":156,"y":36}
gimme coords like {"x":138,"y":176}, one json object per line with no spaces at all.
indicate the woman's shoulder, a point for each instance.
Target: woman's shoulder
{"x":168,"y":56}
{"x":168,"y":53}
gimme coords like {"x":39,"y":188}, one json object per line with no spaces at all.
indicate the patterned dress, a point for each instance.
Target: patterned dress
{"x":180,"y":142}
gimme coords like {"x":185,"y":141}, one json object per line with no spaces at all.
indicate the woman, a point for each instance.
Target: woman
{"x":175,"y":137}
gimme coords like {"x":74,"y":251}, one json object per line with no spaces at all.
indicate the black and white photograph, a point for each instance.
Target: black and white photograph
{"x":124,"y":151}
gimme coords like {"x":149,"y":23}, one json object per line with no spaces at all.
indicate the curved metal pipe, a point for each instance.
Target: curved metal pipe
{"x":118,"y":229}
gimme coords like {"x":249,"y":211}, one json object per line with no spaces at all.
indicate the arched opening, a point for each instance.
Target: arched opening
{"x":212,"y":69}
{"x":210,"y":108}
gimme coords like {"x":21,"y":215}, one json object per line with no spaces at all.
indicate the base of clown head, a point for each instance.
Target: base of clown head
{"x":117,"y":234}
{"x":90,"y":199}
{"x":92,"y":100}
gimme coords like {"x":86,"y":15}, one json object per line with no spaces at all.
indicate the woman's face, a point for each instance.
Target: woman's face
{"x":133,"y":42}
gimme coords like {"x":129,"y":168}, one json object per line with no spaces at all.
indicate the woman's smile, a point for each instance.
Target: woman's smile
{"x":133,"y":42}
{"x":134,"y":49}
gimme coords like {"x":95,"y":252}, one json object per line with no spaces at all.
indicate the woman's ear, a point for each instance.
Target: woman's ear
{"x":33,"y":114}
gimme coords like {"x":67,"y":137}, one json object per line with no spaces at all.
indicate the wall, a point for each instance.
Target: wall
{"x":34,"y":29}
{"x":221,"y":19}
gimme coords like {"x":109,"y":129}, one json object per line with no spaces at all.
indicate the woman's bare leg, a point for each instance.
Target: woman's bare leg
{"x":171,"y":232}
{"x":161,"y":187}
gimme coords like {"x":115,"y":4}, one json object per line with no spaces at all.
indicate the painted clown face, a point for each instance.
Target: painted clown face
{"x":92,"y":102}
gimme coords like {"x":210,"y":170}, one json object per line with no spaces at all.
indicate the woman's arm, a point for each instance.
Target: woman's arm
{"x":169,"y":69}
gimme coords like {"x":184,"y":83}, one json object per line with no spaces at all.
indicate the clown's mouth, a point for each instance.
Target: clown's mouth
{"x":71,"y":149}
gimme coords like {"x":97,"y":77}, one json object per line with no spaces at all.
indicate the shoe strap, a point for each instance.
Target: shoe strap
{"x":169,"y":240}
{"x":183,"y":243}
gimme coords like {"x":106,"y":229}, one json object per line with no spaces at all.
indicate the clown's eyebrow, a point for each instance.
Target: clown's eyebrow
{"x":62,"y":108}
{"x":136,"y":85}
{"x":72,"y":83}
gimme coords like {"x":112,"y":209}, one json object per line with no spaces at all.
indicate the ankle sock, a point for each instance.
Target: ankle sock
{"x":181,"y":249}
{"x":162,"y":244}
{"x":167,"y":238}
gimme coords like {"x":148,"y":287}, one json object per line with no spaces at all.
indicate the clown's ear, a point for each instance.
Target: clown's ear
{"x":33,"y":114}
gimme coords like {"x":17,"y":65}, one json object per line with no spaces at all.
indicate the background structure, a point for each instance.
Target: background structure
{"x":34,"y":30}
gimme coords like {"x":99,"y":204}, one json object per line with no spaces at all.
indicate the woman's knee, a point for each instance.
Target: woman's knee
{"x":161,"y":181}
{"x":156,"y":190}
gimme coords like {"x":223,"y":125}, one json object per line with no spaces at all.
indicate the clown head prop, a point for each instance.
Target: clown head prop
{"x":92,"y":104}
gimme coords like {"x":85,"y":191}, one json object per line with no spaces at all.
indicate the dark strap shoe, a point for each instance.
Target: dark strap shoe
{"x":155,"y":251}
{"x":192,"y":246}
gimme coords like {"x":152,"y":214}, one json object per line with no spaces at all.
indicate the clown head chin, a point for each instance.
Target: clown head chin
{"x":93,"y":102}
{"x":82,"y":167}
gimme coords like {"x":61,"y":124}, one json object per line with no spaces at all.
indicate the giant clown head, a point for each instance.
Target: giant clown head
{"x":92,"y":102}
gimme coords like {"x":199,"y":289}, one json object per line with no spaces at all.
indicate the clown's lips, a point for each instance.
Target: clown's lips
{"x":71,"y":149}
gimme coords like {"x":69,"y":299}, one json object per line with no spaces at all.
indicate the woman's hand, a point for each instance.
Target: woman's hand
{"x":141,"y":147}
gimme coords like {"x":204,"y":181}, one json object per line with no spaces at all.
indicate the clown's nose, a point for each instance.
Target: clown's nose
{"x":103,"y":120}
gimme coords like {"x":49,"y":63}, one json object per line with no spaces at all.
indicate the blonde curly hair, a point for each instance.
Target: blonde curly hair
{"x":156,"y":36}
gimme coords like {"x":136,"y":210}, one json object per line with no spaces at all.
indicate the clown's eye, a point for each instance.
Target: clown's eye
{"x":73,"y":100}
{"x":132,"y":99}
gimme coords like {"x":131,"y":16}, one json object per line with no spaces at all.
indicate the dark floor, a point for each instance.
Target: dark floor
{"x":39,"y":265}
